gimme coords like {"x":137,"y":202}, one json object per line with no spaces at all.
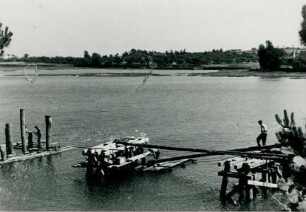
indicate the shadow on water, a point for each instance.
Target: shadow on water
{"x":110,"y":180}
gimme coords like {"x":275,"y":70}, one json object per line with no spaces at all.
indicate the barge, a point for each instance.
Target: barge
{"x":110,"y":158}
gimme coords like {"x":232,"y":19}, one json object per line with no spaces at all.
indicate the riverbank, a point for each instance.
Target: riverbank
{"x":216,"y":70}
{"x":229,"y":66}
{"x":252,"y":73}
{"x":163,"y":73}
{"x":15,"y":66}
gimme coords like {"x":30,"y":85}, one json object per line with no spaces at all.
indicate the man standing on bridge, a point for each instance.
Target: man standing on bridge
{"x":263,"y":134}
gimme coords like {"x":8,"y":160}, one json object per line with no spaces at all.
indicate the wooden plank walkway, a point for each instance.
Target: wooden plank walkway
{"x":263,"y":184}
{"x":33,"y":155}
{"x":166,"y":165}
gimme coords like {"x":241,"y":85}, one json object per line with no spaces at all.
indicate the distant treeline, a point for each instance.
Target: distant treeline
{"x":146,"y":59}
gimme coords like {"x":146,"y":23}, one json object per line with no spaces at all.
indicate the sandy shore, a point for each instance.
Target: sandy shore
{"x":213,"y":71}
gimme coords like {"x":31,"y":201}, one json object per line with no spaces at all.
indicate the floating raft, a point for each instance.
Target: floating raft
{"x":165,"y":166}
{"x":33,"y":155}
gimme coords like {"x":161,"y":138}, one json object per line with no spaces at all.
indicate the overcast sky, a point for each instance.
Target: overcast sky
{"x":68,"y":27}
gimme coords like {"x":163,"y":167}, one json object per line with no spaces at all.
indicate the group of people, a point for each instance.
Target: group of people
{"x":36,"y":132}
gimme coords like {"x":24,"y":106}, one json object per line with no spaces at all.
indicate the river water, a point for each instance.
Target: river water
{"x":178,"y":110}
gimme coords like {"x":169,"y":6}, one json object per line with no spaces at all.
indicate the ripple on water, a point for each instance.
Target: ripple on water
{"x":211,"y":113}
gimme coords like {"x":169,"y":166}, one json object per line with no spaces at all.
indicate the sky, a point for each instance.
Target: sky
{"x":69,"y":27}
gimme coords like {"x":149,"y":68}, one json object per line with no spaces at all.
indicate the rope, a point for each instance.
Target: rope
{"x":148,"y":74}
{"x":31,"y":77}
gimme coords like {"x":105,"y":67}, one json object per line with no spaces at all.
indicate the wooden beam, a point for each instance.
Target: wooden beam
{"x":201,"y":150}
{"x":35,"y":155}
{"x":181,"y":157}
{"x":166,"y":165}
{"x":262,"y":184}
{"x":234,"y":175}
{"x":8,"y":140}
{"x":269,"y":156}
{"x":48,"y":121}
{"x":22,"y":131}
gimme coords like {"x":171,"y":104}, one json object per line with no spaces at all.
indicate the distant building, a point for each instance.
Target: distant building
{"x":239,"y":51}
{"x":252,"y":51}
{"x":293,"y":52}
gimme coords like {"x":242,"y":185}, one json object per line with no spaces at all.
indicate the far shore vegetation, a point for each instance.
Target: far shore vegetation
{"x":139,"y":59}
{"x":265,"y":59}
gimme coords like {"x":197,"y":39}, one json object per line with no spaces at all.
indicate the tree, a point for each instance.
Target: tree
{"x":270,"y":58}
{"x":117,"y":59}
{"x":302,"y":32}
{"x":26,"y":57}
{"x":5,"y":38}
{"x":87,"y":59}
{"x":95,"y":60}
{"x":299,"y":63}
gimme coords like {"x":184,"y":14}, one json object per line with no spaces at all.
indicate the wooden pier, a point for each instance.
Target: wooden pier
{"x":247,"y":170}
{"x":32,"y":155}
{"x":29,"y":148}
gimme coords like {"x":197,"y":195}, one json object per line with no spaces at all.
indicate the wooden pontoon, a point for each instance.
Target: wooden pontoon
{"x":28,"y":148}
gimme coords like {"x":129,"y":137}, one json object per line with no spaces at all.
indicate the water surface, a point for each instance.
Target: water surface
{"x":206,"y":112}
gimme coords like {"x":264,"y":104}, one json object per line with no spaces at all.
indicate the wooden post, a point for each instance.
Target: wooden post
{"x":8,"y":140}
{"x":143,"y":161}
{"x":2,"y":156}
{"x":90,"y":165}
{"x":243,"y":183}
{"x":227,"y":167}
{"x":286,"y":172}
{"x":48,"y":120}
{"x":39,"y":142}
{"x":274,"y":175}
{"x":248,"y":191}
{"x":241,"y":190}
{"x":30,"y":140}
{"x":254,"y":189}
{"x":22,"y":131}
{"x":264,"y":179}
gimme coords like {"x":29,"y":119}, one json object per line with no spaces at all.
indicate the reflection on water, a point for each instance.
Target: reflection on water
{"x":218,"y":113}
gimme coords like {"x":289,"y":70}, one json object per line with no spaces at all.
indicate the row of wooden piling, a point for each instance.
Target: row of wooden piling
{"x":247,"y":184}
{"x":24,"y":149}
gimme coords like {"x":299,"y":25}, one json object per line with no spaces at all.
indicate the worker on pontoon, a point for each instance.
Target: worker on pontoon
{"x":38,"y":134}
{"x":263,"y":134}
{"x":30,"y":140}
